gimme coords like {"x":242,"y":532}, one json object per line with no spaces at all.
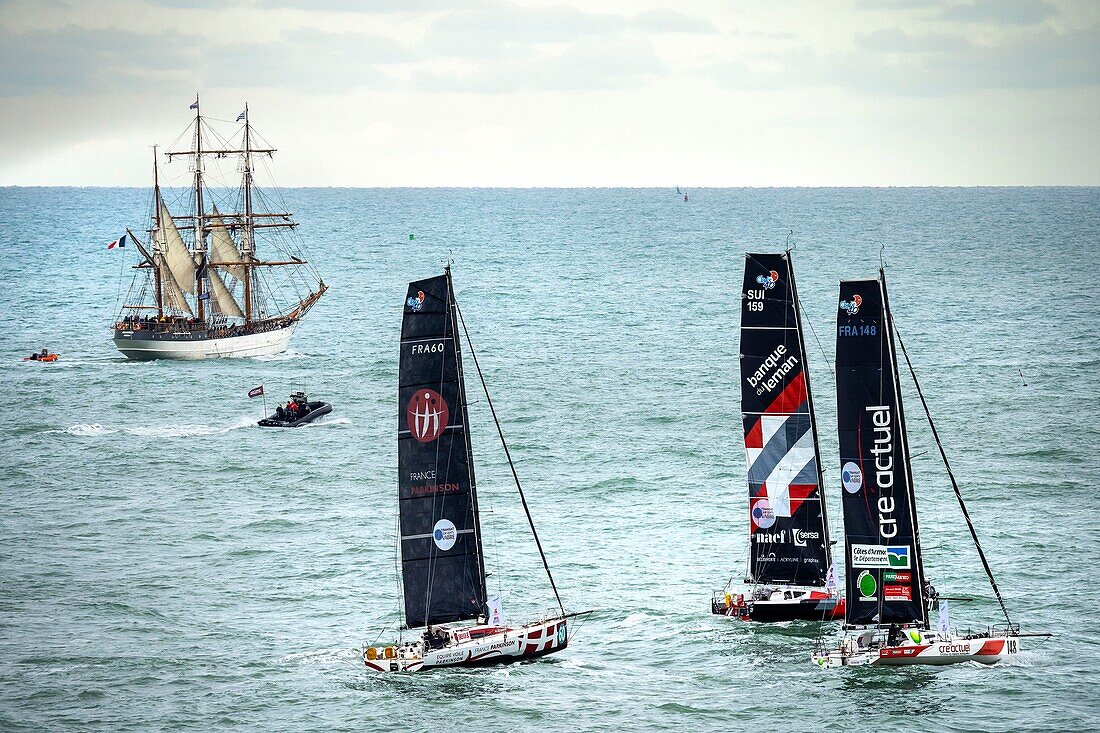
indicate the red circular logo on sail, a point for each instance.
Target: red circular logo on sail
{"x":427,"y":415}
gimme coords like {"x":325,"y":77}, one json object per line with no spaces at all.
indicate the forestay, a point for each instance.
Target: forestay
{"x":787,"y":521}
{"x":884,"y":573}
{"x":442,"y":566}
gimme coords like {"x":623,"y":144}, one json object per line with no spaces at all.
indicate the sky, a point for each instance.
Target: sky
{"x":532,"y":93}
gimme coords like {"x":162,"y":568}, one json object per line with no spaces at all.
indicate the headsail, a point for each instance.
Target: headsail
{"x":789,"y":534}
{"x":223,"y":299}
{"x":442,"y":567}
{"x":884,"y":573}
{"x":173,"y":296}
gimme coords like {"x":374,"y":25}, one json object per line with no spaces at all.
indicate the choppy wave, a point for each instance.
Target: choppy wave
{"x":87,"y":430}
{"x":326,"y":422}
{"x":332,"y":655}
{"x":285,"y":356}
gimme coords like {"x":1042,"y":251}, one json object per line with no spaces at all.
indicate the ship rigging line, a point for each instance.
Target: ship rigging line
{"x":508,"y":455}
{"x":951,"y":475}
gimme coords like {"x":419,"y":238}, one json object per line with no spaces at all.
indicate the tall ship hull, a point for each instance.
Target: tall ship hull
{"x":146,"y":344}
{"x":207,"y":285}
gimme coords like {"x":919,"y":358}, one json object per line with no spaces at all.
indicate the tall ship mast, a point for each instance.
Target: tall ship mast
{"x":223,"y":270}
{"x":790,"y":574}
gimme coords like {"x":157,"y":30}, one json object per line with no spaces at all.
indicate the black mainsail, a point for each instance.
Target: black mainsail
{"x":883,"y":568}
{"x":789,"y":535}
{"x":443,"y":570}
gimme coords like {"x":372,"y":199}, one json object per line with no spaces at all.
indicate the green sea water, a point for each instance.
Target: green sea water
{"x":167,"y":565}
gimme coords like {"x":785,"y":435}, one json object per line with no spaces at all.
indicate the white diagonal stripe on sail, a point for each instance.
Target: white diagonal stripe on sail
{"x":780,"y":441}
{"x":770,"y":425}
{"x":778,"y":483}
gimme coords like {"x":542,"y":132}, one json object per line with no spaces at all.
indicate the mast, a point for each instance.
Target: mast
{"x":813,"y":416}
{"x":157,"y":250}
{"x":240,"y":260}
{"x":453,"y":311}
{"x":200,"y":250}
{"x":903,"y":438}
{"x":248,"y":244}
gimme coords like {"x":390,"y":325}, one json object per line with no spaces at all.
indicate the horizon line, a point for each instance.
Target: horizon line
{"x":590,"y":187}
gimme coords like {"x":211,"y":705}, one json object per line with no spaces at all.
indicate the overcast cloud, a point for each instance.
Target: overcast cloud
{"x":492,"y":92}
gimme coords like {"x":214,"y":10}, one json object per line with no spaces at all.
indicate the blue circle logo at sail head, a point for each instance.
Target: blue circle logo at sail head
{"x":769,"y":280}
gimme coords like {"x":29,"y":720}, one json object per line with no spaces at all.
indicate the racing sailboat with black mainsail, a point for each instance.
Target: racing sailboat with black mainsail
{"x":890,"y":600}
{"x":790,"y":574}
{"x":442,"y":558}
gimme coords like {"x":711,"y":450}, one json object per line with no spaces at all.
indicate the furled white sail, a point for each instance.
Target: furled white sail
{"x":176,"y":254}
{"x":173,"y":298}
{"x":223,"y":299}
{"x":222,"y":247}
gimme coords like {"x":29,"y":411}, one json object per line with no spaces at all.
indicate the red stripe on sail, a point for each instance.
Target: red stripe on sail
{"x":793,"y":395}
{"x":755,"y":437}
{"x":799,"y":493}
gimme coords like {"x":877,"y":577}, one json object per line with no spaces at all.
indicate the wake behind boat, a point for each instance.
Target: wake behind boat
{"x":202,"y":289}
{"x":440,"y":541}
{"x":890,"y":600}
{"x":790,"y":575}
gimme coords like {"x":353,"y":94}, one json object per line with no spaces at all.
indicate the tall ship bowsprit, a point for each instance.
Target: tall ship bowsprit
{"x":790,"y":575}
{"x":223,"y":272}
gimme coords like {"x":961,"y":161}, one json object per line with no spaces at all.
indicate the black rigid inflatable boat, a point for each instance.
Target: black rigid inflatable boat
{"x":281,"y":419}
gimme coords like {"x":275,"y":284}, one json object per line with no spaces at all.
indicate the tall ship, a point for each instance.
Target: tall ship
{"x":223,"y":271}
{"x":888,"y":620}
{"x":790,"y":574}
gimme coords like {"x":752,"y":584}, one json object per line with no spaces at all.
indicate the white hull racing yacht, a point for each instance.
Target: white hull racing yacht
{"x":790,"y":575}
{"x":449,"y":618}
{"x":203,"y":290}
{"x":890,"y":600}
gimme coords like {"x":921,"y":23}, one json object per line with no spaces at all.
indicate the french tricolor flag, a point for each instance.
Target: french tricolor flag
{"x":120,"y":242}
